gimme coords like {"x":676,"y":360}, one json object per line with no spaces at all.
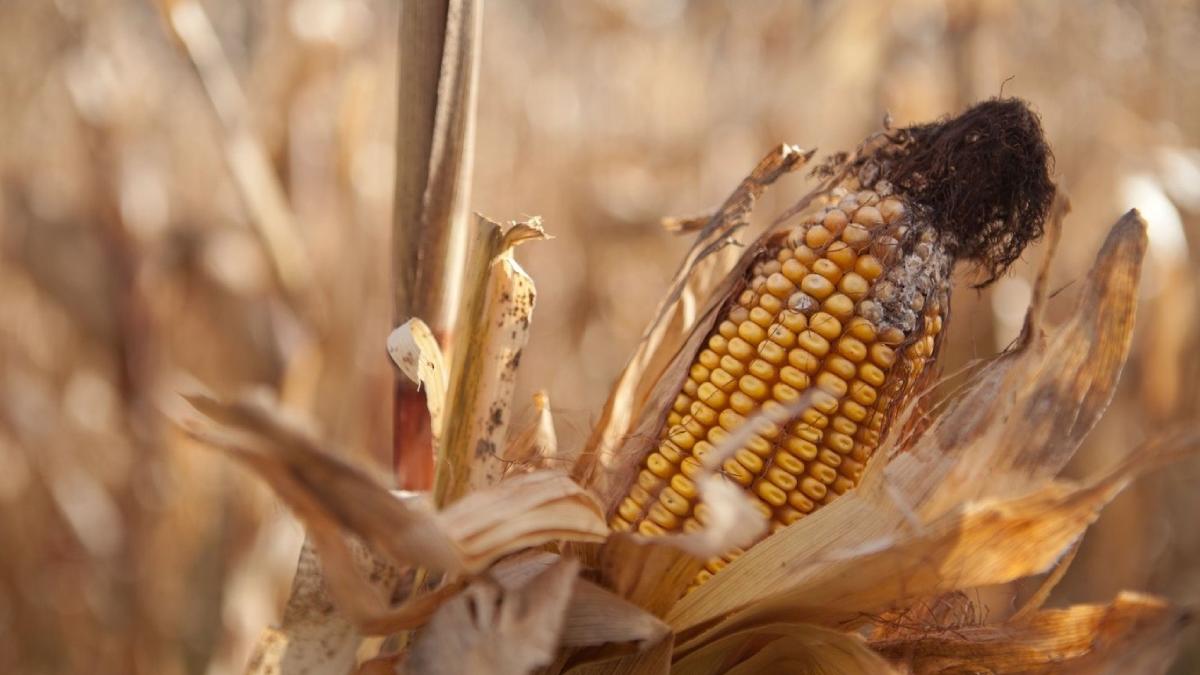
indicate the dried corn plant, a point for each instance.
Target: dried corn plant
{"x":771,"y":486}
{"x":209,"y":191}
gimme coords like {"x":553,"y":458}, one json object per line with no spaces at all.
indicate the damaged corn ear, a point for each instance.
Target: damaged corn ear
{"x":847,"y":304}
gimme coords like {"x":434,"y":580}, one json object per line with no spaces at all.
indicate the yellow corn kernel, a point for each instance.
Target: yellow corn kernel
{"x":817,"y":237}
{"x":839,"y":305}
{"x":770,"y":493}
{"x":803,"y":449}
{"x":817,"y":286}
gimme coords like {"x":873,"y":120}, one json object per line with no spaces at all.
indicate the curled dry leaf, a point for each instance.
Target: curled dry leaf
{"x":493,"y":326}
{"x":654,"y":661}
{"x":526,"y":511}
{"x":1078,"y":639}
{"x":340,"y":505}
{"x":1049,"y":393}
{"x":490,"y":630}
{"x":521,"y":512}
{"x":982,"y":543}
{"x":322,"y":489}
{"x":784,"y":648}
{"x":416,"y":353}
{"x":595,"y":616}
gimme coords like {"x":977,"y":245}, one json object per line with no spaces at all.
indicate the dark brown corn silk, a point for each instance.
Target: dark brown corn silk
{"x":845,"y":309}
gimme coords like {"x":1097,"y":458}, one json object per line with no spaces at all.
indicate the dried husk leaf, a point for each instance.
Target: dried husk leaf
{"x":637,"y":396}
{"x":1078,"y":639}
{"x":653,"y":661}
{"x":527,"y":510}
{"x":490,"y":630}
{"x":648,"y":573}
{"x":1054,"y":390}
{"x":415,"y":351}
{"x":322,"y":489}
{"x":523,"y":511}
{"x":492,"y":329}
{"x":980,"y":424}
{"x":336,"y":500}
{"x":986,"y":542}
{"x":595,"y":616}
{"x":785,"y":648}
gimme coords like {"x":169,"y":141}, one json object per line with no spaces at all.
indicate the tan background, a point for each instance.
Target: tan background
{"x":128,"y":264}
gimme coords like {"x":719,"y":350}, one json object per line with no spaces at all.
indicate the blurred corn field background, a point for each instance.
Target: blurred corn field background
{"x":132,"y":263}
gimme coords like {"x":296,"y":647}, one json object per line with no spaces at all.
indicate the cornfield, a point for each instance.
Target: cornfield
{"x":847,"y":338}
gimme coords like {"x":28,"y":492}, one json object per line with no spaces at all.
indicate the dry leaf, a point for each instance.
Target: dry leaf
{"x":784,"y":648}
{"x":595,"y":616}
{"x":258,"y":185}
{"x":521,"y":512}
{"x":653,"y":661}
{"x":492,"y":326}
{"x":488,"y":630}
{"x":321,"y":488}
{"x":1052,"y":392}
{"x":1078,"y":639}
{"x":415,"y":350}
{"x":982,"y":543}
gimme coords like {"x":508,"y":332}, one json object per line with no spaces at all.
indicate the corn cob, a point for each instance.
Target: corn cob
{"x":848,"y":307}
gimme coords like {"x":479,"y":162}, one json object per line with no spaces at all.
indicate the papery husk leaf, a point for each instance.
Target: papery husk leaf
{"x":595,"y":616}
{"x":654,"y":661}
{"x":1053,"y":393}
{"x":605,"y":463}
{"x":1133,"y":629}
{"x":983,"y":423}
{"x":321,"y":488}
{"x":982,"y":543}
{"x":734,"y":522}
{"x":339,"y":504}
{"x":785,"y":648}
{"x":490,"y":630}
{"x":492,"y":329}
{"x":1047,"y":585}
{"x":415,"y":351}
{"x":523,"y":511}
{"x":648,"y":573}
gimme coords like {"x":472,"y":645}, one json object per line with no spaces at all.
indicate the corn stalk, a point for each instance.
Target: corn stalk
{"x":438,"y":74}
